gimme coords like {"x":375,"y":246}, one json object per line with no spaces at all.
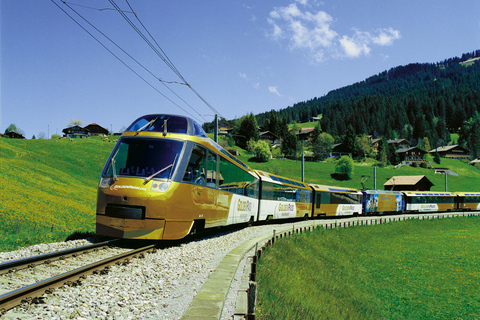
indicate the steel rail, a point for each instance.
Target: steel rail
{"x":23,"y":263}
{"x":32,"y":292}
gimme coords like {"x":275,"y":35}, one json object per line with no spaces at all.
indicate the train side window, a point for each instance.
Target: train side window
{"x":252,"y":189}
{"x":195,"y":171}
{"x":318,"y":200}
{"x":267,"y":191}
{"x":211,"y":169}
{"x":224,"y":174}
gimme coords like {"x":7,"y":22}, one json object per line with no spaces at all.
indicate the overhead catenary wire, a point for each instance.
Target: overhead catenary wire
{"x":97,"y":9}
{"x":124,"y":63}
{"x":141,"y":65}
{"x":161,"y":54}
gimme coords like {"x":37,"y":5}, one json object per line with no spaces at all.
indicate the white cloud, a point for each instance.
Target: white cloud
{"x":303,"y":29}
{"x":353,"y":48}
{"x":243,"y":76}
{"x":386,"y":37}
{"x":359,"y":44}
{"x":274,"y":90}
{"x":312,"y":31}
{"x":304,"y":2}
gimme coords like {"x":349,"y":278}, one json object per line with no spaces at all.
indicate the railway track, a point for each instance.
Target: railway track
{"x":30,"y":278}
{"x":163,"y":284}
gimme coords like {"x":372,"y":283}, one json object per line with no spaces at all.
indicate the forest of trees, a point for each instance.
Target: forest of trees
{"x":410,"y":102}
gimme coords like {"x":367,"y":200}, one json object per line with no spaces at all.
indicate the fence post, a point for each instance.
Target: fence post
{"x":53,"y":226}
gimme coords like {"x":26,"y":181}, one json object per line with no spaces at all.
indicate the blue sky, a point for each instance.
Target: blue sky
{"x":239,"y":56}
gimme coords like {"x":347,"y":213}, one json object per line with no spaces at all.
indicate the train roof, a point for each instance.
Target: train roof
{"x":429,"y":193}
{"x":168,"y":124}
{"x":372,"y":191}
{"x":468,"y":194}
{"x":266,"y":176}
{"x":320,"y":187}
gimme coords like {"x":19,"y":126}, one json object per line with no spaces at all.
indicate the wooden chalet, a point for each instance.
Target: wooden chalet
{"x":452,"y":152}
{"x":376,"y":144}
{"x":304,"y":134}
{"x":399,"y":143}
{"x":224,"y":128}
{"x":13,"y":135}
{"x":413,"y":154}
{"x":269,"y":137}
{"x":340,"y":149}
{"x":75,"y":132}
{"x":96,"y":130}
{"x":408,"y":183}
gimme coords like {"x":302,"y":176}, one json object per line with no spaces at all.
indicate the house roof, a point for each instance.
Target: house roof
{"x":268,"y":133}
{"x":445,"y":171}
{"x":95,"y":128}
{"x":448,"y":148}
{"x":398,"y":141}
{"x":474,"y":161}
{"x":305,"y":130}
{"x":406,"y":180}
{"x":340,"y":147}
{"x":402,"y":150}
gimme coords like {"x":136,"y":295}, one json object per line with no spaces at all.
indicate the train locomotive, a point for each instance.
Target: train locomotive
{"x":166,"y":179}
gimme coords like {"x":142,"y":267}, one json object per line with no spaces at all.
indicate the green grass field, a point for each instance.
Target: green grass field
{"x":48,"y":182}
{"x":54,"y":182}
{"x":403,"y":270}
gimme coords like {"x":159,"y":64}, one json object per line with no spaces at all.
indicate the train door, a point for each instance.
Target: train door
{"x":203,"y":186}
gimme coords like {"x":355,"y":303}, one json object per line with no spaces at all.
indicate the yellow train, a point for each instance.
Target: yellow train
{"x":166,"y":179}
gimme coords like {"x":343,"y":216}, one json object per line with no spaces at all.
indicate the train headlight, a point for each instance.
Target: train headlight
{"x":160,"y":186}
{"x":104,"y":183}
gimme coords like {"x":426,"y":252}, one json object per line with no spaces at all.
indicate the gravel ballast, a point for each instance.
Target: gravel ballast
{"x":159,"y":286}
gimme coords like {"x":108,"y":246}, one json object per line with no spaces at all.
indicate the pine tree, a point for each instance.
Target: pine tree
{"x":247,"y":130}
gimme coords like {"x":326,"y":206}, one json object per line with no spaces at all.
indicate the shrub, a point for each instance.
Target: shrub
{"x":260,"y":149}
{"x":344,"y":166}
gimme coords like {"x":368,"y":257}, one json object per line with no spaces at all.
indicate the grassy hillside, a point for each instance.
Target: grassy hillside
{"x":47,"y":182}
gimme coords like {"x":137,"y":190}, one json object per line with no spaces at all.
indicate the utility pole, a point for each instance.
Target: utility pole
{"x":215,"y":130}
{"x":445,"y":172}
{"x":303,"y":167}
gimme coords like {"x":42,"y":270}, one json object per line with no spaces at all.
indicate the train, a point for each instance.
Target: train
{"x":166,"y":179}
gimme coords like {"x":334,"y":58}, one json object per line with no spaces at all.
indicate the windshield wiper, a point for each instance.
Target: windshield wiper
{"x":113,"y":169}
{"x":164,"y":126}
{"x":147,"y":179}
{"x":173,"y":164}
{"x":148,"y":125}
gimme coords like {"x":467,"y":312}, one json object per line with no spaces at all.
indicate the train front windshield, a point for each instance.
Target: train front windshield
{"x":144,"y":158}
